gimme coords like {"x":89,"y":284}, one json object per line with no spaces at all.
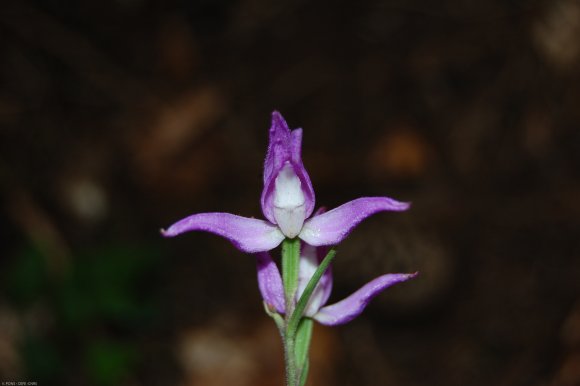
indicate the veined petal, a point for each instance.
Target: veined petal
{"x":310,"y":258}
{"x":351,"y":307}
{"x":332,"y":227}
{"x":270,"y":282}
{"x":300,"y":170}
{"x":284,"y":148}
{"x":247,"y":234}
{"x":278,"y":147}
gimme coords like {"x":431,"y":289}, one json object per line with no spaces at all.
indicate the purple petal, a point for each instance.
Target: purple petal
{"x":247,"y":234}
{"x":284,"y":146}
{"x":351,"y":307}
{"x":270,"y":282}
{"x":300,"y":170}
{"x":310,"y":258}
{"x":278,"y":147}
{"x":332,"y":227}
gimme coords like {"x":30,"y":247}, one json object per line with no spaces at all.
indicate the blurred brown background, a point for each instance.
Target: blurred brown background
{"x":118,"y":117}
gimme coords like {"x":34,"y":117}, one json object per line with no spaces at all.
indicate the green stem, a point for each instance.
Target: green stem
{"x":290,"y":356}
{"x":297,"y":330}
{"x":290,"y":267}
{"x":296,"y":354}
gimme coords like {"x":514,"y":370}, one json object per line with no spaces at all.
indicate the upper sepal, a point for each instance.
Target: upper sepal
{"x":284,"y":148}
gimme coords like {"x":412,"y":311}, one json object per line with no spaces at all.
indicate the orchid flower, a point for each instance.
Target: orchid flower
{"x":297,"y":296}
{"x":272,"y":290}
{"x":287,"y":204}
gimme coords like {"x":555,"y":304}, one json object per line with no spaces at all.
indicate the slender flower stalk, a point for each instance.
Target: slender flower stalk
{"x":297,"y":296}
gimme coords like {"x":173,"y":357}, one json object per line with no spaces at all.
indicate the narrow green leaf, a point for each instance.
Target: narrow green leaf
{"x":304,"y":373}
{"x":298,"y":312}
{"x":303,"y":336}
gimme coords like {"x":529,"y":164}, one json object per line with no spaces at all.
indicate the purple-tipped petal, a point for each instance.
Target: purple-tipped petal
{"x":300,"y":170}
{"x":247,"y":234}
{"x":310,"y":258}
{"x":278,"y":147}
{"x":351,"y":307}
{"x":332,"y":227}
{"x":284,"y":148}
{"x":270,"y":282}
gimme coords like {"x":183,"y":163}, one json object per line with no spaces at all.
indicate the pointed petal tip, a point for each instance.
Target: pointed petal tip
{"x":394,"y":205}
{"x":403,"y":205}
{"x":278,"y":121}
{"x":409,"y":275}
{"x":167,"y":232}
{"x":402,"y":277}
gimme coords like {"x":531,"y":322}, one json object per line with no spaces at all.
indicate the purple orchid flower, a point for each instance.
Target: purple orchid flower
{"x":287,"y":204}
{"x":272,"y":290}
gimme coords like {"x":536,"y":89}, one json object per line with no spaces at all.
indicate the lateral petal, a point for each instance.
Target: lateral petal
{"x":352,"y":306}
{"x":247,"y":234}
{"x":333,"y":226}
{"x":270,"y":282}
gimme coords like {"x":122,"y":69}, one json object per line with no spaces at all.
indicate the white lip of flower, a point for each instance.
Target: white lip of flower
{"x":289,"y":202}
